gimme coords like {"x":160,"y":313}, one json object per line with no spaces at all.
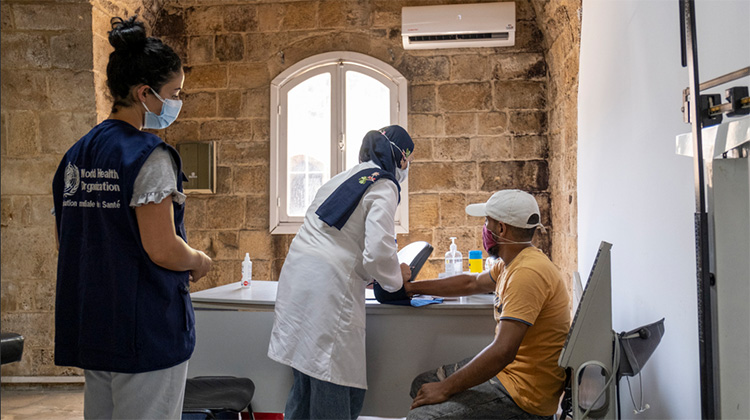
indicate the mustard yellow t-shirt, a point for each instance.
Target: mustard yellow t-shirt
{"x":531,"y":290}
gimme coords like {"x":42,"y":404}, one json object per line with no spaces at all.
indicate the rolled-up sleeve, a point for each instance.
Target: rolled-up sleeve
{"x":380,"y":257}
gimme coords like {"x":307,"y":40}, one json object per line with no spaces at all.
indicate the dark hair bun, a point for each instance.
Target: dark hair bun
{"x":136,"y":60}
{"x":127,"y":34}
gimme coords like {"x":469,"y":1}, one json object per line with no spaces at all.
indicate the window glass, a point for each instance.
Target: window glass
{"x":368,"y":107}
{"x":308,"y":141}
{"x":321,"y":108}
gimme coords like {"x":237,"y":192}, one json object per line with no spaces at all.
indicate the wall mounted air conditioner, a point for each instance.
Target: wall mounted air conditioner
{"x":459,"y":26}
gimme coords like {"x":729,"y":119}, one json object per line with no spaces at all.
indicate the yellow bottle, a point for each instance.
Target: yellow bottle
{"x":475,"y":261}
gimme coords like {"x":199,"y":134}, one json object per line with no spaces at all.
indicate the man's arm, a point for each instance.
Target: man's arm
{"x":459,"y":285}
{"x":488,"y":363}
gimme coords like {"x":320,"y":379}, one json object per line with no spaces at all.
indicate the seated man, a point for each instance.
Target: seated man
{"x":517,"y":375}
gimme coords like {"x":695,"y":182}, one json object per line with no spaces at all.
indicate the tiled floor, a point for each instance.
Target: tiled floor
{"x":50,"y":404}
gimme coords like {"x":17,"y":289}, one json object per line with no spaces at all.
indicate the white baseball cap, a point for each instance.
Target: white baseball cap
{"x":514,"y":207}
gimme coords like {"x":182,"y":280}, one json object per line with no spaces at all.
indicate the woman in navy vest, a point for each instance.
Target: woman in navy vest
{"x":123,"y":310}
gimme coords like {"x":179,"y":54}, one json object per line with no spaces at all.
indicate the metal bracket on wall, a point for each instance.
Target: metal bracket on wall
{"x":711,"y":109}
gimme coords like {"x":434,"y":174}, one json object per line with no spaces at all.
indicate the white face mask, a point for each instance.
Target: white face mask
{"x":402,"y":174}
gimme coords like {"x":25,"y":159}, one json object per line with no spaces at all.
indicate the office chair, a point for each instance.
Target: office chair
{"x":11,"y":347}
{"x":217,"y":397}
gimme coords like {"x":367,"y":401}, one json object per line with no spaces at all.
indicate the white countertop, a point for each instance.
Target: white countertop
{"x":260,"y":293}
{"x":262,"y":296}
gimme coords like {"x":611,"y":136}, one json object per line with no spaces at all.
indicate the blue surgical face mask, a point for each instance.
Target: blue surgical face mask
{"x":170,"y":109}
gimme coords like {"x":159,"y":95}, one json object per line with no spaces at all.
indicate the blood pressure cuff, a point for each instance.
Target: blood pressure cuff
{"x":400,"y":297}
{"x":415,"y":254}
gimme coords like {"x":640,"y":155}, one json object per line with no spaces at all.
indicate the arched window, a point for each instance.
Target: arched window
{"x":321,"y":109}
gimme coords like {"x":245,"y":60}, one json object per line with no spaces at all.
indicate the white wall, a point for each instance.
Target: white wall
{"x":633,"y":191}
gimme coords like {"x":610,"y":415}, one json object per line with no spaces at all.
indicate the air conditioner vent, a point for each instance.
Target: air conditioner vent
{"x":459,"y":37}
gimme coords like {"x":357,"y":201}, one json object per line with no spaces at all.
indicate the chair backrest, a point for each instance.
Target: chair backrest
{"x":11,"y":347}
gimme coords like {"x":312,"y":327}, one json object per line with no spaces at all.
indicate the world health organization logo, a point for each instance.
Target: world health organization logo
{"x":72,"y":180}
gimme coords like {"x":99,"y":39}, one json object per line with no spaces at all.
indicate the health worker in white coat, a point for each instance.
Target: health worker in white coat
{"x":347,"y":240}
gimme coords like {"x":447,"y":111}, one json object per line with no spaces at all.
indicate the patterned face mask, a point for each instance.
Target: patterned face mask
{"x":488,"y":238}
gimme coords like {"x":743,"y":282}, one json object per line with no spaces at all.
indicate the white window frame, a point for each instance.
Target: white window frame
{"x":337,"y":63}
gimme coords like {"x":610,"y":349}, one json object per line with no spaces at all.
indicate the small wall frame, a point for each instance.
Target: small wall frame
{"x":199,"y":166}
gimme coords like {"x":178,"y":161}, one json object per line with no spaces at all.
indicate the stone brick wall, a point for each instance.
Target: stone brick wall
{"x":48,"y":102}
{"x":482,"y":119}
{"x":560,"y":21}
{"x":478,"y":117}
{"x":51,"y":63}
{"x":102,"y":11}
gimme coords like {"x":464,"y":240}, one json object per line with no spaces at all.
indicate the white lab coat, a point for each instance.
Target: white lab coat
{"x":319,"y":328}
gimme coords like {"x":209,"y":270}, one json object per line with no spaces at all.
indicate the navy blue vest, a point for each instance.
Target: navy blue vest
{"x":115,"y":310}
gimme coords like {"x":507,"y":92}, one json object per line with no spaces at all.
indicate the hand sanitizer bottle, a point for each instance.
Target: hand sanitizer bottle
{"x":247,"y":272}
{"x":454,"y":263}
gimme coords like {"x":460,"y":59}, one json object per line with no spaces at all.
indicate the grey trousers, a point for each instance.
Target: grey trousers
{"x":488,"y":400}
{"x":149,"y":395}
